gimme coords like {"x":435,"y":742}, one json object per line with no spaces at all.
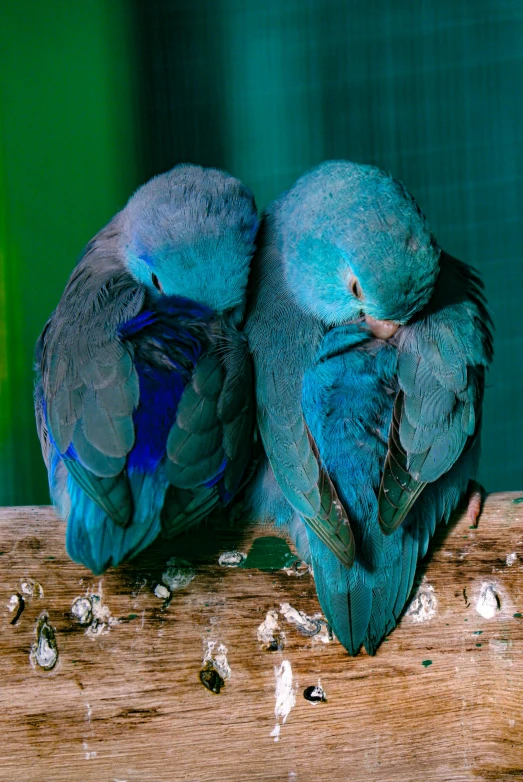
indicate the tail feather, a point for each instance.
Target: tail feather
{"x":344,"y":595}
{"x":94,"y":540}
{"x":408,"y":571}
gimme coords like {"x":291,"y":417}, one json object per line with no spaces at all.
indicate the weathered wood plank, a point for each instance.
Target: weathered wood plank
{"x":128,"y":704}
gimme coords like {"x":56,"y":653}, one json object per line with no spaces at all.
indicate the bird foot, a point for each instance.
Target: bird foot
{"x":475,"y":502}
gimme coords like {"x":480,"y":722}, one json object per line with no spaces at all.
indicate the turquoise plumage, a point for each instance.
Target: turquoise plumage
{"x":370,"y":347}
{"x":144,"y":397}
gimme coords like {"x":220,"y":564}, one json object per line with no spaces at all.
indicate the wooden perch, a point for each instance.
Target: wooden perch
{"x":114,"y":678}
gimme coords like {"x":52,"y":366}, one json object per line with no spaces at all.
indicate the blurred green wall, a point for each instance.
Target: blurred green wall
{"x":68,"y":161}
{"x":97,"y":96}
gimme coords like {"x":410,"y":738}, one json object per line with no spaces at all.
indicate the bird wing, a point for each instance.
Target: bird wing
{"x":89,"y":385}
{"x":209,"y":445}
{"x":282,"y":341}
{"x":442,"y":357}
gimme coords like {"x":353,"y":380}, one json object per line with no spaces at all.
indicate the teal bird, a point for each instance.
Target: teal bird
{"x":144,"y":396}
{"x":370,"y":347}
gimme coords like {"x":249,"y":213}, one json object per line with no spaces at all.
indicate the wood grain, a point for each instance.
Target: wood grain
{"x":128,"y":704}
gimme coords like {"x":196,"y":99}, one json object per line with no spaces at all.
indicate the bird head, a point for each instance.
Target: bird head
{"x":190,"y":232}
{"x":355,"y":244}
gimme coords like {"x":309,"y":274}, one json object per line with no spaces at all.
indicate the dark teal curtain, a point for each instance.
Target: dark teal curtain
{"x":430,"y":91}
{"x":96,"y":97}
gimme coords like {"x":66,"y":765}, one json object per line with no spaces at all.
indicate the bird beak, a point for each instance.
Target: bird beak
{"x":382,"y":329}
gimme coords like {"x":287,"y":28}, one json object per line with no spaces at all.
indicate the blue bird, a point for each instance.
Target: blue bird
{"x":370,"y":347}
{"x":144,"y":397}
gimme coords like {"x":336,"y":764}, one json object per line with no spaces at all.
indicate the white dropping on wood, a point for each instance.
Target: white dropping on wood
{"x":44,"y":653}
{"x":511,"y":559}
{"x":215,"y":657}
{"x":269,"y":632}
{"x":314,"y":627}
{"x":162,"y":592}
{"x":488,"y":603}
{"x":299,"y":569}
{"x":316,"y":695}
{"x":285,"y":696}
{"x":268,"y":627}
{"x":31,"y":588}
{"x":14,"y":603}
{"x":88,"y":755}
{"x":424,"y":604}
{"x":178,"y":574}
{"x":232,"y":558}
{"x":81,"y":609}
{"x":90,"y":611}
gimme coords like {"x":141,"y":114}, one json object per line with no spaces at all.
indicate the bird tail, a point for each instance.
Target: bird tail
{"x":94,"y":540}
{"x":363,"y":605}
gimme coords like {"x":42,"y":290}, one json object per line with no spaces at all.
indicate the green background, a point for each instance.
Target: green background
{"x":96,"y":96}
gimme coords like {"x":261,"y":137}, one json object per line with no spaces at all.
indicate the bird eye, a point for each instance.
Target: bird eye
{"x":156,"y":283}
{"x":355,"y":288}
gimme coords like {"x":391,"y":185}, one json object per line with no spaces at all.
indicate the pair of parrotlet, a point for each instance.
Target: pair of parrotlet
{"x":335,"y":331}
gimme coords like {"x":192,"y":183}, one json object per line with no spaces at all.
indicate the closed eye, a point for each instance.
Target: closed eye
{"x":355,"y":288}
{"x":156,"y":283}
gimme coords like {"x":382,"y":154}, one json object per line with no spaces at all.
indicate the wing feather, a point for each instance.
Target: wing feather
{"x":443,"y":355}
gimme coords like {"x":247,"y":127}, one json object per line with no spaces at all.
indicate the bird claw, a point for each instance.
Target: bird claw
{"x":476,"y":499}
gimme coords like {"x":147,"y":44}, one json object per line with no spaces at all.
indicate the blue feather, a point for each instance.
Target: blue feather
{"x":219,"y":475}
{"x":160,"y":393}
{"x":93,"y":539}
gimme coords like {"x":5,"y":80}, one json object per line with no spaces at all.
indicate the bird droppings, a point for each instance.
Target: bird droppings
{"x":162,"y":592}
{"x":488,"y":603}
{"x":179,"y":574}
{"x":285,"y":696}
{"x":270,"y":634}
{"x":516,"y":616}
{"x":298,"y":569}
{"x":91,"y":613}
{"x":13,"y":603}
{"x":31,"y":588}
{"x":315,"y":694}
{"x":232,"y":558}
{"x":102,"y":619}
{"x":426,"y":663}
{"x":216,"y":669}
{"x":81,"y":609}
{"x":315,"y":627}
{"x":511,"y":559}
{"x":517,"y":501}
{"x":16,"y":604}
{"x":269,"y":553}
{"x":424,"y":604}
{"x":88,"y":755}
{"x":44,"y":653}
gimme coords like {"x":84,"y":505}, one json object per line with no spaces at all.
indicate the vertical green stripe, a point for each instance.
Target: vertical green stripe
{"x":68,"y":139}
